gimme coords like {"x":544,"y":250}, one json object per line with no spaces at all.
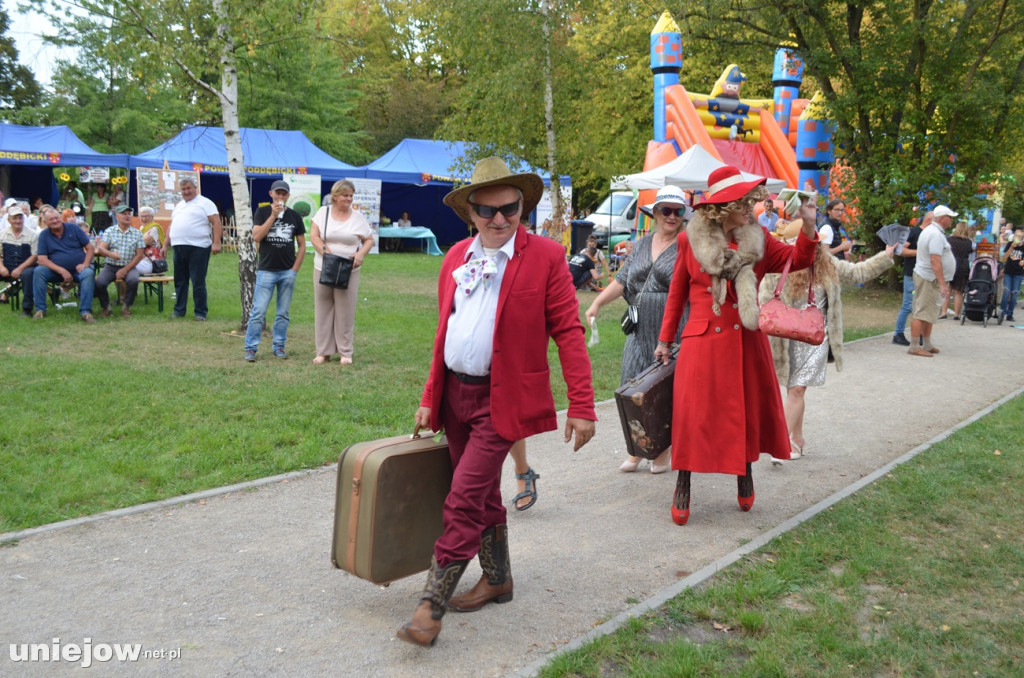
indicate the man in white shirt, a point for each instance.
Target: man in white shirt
{"x":18,"y":254}
{"x":932,"y":272}
{"x":192,"y":221}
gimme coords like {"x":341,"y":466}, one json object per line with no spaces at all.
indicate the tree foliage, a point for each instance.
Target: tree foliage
{"x":18,"y":86}
{"x":926,"y":94}
{"x":298,"y":84}
{"x":113,"y":106}
{"x":390,"y":59}
{"x":922,"y":92}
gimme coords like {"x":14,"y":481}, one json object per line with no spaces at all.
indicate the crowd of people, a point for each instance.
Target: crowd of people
{"x":59,"y":252}
{"x":697,"y":281}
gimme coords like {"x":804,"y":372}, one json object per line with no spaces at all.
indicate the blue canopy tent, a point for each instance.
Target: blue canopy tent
{"x":268,"y":153}
{"x":418,"y":173}
{"x":29,"y":154}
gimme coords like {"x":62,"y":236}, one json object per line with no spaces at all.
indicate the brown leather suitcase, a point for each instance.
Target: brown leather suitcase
{"x":645,"y":409}
{"x":387,"y":512}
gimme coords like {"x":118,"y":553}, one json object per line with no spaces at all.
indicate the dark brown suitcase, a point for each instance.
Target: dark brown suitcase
{"x":645,"y":410}
{"x":387,"y":512}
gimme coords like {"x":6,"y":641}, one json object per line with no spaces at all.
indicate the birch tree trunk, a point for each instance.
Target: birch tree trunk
{"x":557,"y":230}
{"x":228,"y":96}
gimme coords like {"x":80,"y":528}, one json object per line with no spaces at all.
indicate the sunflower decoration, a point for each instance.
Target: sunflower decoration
{"x":119,"y":180}
{"x":65,"y":177}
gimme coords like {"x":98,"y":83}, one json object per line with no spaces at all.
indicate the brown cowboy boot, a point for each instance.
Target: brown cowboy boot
{"x":496,"y":581}
{"x":426,"y":620}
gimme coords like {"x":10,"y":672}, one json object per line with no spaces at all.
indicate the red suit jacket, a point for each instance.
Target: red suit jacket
{"x":537,"y":301}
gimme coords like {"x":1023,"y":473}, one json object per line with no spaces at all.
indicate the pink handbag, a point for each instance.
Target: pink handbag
{"x":804,"y":324}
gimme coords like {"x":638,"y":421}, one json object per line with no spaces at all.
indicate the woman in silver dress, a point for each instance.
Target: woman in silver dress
{"x":643,"y":280}
{"x":799,"y":365}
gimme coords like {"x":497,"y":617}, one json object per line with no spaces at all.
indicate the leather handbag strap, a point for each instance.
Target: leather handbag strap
{"x":811,"y":301}
{"x":650,"y":275}
{"x":327,"y":218}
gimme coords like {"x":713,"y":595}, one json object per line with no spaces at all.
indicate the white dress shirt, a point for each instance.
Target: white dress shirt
{"x":470,"y":337}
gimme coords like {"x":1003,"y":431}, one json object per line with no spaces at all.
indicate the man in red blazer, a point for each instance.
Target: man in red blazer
{"x":501,"y":295}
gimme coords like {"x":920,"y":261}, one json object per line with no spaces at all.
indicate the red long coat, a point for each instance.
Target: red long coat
{"x":727,"y":408}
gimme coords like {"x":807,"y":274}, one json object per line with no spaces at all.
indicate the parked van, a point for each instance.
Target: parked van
{"x":615,"y":216}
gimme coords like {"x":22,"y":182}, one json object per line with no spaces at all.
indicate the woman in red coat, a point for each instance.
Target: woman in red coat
{"x":727,"y":408}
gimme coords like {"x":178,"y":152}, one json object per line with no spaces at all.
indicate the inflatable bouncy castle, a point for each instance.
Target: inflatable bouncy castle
{"x":784,"y":137}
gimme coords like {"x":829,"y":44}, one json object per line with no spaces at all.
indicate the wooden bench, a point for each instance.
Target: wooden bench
{"x":155,"y":284}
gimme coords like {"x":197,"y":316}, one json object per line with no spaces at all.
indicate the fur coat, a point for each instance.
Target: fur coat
{"x":723,"y":263}
{"x":830,"y":274}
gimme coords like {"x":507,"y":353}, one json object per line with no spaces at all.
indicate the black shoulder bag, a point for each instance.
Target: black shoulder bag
{"x":335,"y":270}
{"x":632,"y":315}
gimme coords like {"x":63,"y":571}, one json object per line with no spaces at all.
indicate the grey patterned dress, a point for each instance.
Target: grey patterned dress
{"x":638,"y":353}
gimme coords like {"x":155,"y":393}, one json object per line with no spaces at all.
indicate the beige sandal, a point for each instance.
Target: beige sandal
{"x":796,"y":451}
{"x":320,"y":360}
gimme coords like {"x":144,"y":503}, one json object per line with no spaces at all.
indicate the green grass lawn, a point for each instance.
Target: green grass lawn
{"x":918,"y":574}
{"x":133,"y":410}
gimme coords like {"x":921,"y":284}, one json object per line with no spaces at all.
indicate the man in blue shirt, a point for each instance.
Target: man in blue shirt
{"x":64,"y":254}
{"x":768,"y":218}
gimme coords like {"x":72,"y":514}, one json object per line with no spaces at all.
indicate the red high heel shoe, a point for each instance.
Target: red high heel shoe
{"x":745,"y":485}
{"x":681,"y":497}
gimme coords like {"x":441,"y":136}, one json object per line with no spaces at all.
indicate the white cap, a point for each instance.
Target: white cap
{"x":672,"y":194}
{"x":943,"y":211}
{"x":10,"y":201}
{"x":15,"y":209}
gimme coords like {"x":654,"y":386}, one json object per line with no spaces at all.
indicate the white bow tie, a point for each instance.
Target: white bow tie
{"x":469,"y":276}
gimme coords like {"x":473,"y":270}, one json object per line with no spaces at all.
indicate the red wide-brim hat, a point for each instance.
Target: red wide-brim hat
{"x":726,"y":184}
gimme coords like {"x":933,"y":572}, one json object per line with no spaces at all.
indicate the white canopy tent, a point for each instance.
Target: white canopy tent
{"x":689,"y":172}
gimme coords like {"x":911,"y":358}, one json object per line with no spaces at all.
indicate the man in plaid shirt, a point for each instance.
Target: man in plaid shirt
{"x":123,"y":247}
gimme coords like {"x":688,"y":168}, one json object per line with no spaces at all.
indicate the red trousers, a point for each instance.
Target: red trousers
{"x":478,"y":453}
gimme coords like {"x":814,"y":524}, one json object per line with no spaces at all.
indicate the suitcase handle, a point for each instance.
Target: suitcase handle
{"x":436,"y":436}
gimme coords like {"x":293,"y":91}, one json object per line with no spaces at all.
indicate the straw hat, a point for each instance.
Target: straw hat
{"x":494,"y":172}
{"x":788,"y":231}
{"x":726,"y":184}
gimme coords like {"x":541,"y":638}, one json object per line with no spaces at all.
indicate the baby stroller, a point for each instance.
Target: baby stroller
{"x":980,"y":294}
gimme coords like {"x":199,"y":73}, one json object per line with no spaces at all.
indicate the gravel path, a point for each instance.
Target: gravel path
{"x":240,"y":582}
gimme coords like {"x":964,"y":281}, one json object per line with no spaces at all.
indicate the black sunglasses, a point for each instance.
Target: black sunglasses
{"x":672,"y":211}
{"x":488,"y":211}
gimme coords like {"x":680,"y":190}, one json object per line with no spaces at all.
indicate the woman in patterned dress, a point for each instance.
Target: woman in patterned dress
{"x":643,"y":279}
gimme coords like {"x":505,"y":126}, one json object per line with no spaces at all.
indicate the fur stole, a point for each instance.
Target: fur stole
{"x":722,"y":263}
